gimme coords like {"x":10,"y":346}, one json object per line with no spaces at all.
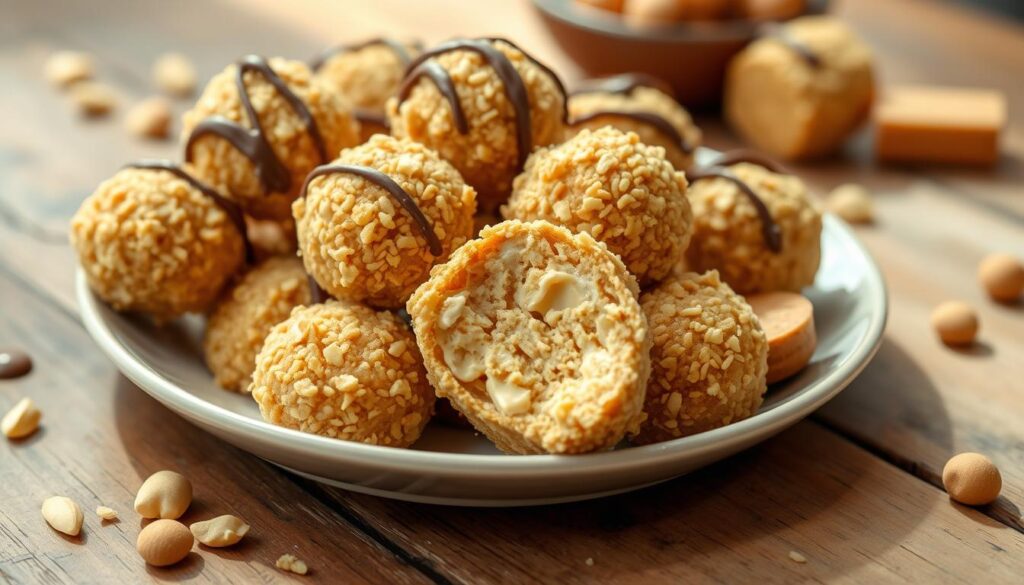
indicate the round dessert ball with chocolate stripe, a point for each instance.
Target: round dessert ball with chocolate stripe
{"x":260,"y":127}
{"x":482,"y":104}
{"x":637,"y":103}
{"x":755,"y":223}
{"x":346,"y":371}
{"x":372,"y":223}
{"x":609,"y":184}
{"x":367,"y":74}
{"x":708,"y":358}
{"x":244,"y":315}
{"x":154,"y":239}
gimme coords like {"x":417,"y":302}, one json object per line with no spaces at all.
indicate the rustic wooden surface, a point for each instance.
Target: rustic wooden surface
{"x":855,"y":489}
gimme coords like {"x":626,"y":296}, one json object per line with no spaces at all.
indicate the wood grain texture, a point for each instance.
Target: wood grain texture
{"x":101,"y":437}
{"x":855,"y":518}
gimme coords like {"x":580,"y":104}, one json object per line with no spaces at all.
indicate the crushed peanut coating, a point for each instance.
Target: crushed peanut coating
{"x":487,"y":155}
{"x":535,"y":335}
{"x":641,"y":100}
{"x":362,"y":245}
{"x":346,"y":371}
{"x":367,"y":76}
{"x":149,"y":241}
{"x":728,"y":237}
{"x":619,"y":190}
{"x":216,"y":160}
{"x":244,"y":315}
{"x":708,"y":359}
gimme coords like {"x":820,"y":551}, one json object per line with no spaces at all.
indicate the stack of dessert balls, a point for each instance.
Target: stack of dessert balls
{"x":601,"y":302}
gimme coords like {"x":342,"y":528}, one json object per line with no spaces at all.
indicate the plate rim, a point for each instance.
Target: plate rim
{"x":500,"y":465}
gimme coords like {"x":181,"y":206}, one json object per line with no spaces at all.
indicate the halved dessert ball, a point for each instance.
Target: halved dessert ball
{"x":535,"y":334}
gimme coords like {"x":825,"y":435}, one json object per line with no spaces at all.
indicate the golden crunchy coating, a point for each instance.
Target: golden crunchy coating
{"x":346,"y":371}
{"x":487,"y":155}
{"x":149,"y":241}
{"x":216,"y":160}
{"x":244,"y":315}
{"x":619,"y":190}
{"x":366,"y":76}
{"x":708,"y":359}
{"x":536,"y":336}
{"x":727,"y":232}
{"x":791,"y":108}
{"x":642,"y":100}
{"x":362,"y":245}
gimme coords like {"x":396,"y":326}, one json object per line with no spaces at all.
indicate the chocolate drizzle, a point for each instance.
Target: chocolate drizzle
{"x":440,"y":78}
{"x":388,"y":184}
{"x":229,"y":207}
{"x":397,"y":47}
{"x":515,"y":89}
{"x":742,"y":155}
{"x":783,"y":36}
{"x":622,"y":84}
{"x":769,"y":229}
{"x":660,"y":124}
{"x":252,"y":142}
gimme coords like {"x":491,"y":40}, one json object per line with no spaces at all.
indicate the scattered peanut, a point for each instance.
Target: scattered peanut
{"x":150,"y":118}
{"x":852,"y":202}
{"x":63,"y":515}
{"x":64,"y":68}
{"x":1002,"y":275}
{"x":292,"y":564}
{"x":165,"y":494}
{"x":955,"y":322}
{"x":173,"y":73}
{"x":223,"y":530}
{"x":22,"y":420}
{"x":106,"y":513}
{"x":797,"y":557}
{"x":972,"y":479}
{"x":164,"y":542}
{"x":93,"y":98}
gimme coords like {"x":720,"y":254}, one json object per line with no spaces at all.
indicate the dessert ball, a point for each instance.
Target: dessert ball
{"x":244,"y":315}
{"x":346,"y":371}
{"x":535,"y":335}
{"x":373,"y":223}
{"x":270,"y":237}
{"x":300,"y":122}
{"x":483,"y":105}
{"x":609,"y":184}
{"x":157,"y":241}
{"x":972,"y":479}
{"x":736,"y":209}
{"x":708,"y":358}
{"x":799,"y":93}
{"x":367,"y":74}
{"x":636,"y":103}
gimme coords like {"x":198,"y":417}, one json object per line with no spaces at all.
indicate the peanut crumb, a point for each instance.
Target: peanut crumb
{"x":106,"y":513}
{"x":92,"y":98}
{"x":291,"y":564}
{"x":150,"y":118}
{"x":590,"y":561}
{"x":797,"y":557}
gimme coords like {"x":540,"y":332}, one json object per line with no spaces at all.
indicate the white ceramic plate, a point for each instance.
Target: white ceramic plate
{"x":459,"y":467}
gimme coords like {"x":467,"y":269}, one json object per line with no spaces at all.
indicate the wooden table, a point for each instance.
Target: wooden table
{"x":855,"y":488}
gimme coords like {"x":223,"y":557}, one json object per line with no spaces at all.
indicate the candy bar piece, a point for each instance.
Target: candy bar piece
{"x":939,"y":124}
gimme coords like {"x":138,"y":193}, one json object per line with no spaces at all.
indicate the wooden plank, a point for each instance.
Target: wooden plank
{"x":855,"y":518}
{"x":101,"y":436}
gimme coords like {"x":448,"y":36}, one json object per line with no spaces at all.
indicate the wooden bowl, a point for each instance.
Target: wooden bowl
{"x":691,"y":56}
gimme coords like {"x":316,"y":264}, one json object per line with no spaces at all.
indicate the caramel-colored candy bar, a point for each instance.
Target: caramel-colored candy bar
{"x":939,"y":124}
